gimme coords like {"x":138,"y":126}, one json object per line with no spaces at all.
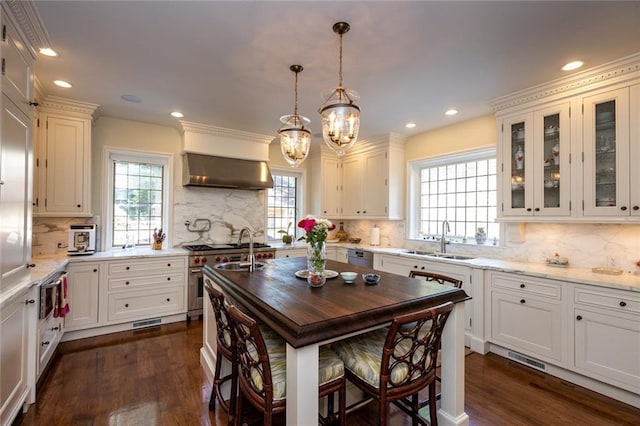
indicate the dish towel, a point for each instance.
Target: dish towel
{"x":61,"y":306}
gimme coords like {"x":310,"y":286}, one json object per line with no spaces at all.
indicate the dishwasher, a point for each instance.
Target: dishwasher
{"x":360,"y":258}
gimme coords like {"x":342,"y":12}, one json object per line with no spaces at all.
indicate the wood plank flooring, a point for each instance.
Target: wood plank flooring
{"x":153,"y":377}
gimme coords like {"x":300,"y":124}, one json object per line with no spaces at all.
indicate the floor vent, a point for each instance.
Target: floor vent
{"x":523,"y":359}
{"x":147,"y":323}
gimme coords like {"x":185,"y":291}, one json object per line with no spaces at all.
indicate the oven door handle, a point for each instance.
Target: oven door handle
{"x":52,"y":284}
{"x":195,"y":270}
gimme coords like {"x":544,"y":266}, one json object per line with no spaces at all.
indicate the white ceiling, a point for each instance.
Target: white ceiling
{"x":227,"y":63}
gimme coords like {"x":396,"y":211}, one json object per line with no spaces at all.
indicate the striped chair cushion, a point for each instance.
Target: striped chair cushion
{"x":362,"y":356}
{"x":330,"y":366}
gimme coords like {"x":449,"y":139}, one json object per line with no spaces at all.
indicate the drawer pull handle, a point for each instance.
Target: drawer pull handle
{"x":55,"y":328}
{"x":30,"y":301}
{"x":636,"y":207}
{"x":523,"y":301}
{"x":44,"y":343}
{"x":126,"y":305}
{"x":623,"y":208}
{"x":623,"y":303}
{"x":126,"y":282}
{"x":579,"y":317}
{"x":522,"y":286}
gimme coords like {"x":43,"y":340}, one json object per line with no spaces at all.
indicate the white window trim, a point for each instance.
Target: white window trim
{"x":301,"y":174}
{"x":413,"y":173}
{"x":165,"y":159}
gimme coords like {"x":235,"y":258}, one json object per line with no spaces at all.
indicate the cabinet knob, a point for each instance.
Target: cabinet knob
{"x":522,"y":286}
{"x":126,"y":305}
{"x":325,"y":211}
{"x":523,"y":301}
{"x":126,"y":282}
{"x":55,"y":328}
{"x":33,"y":103}
{"x":168,"y":278}
{"x":168,"y":300}
{"x":579,"y":317}
{"x":623,"y":208}
{"x":78,"y":206}
{"x":168,"y":264}
{"x":364,"y":212}
{"x":95,"y":270}
{"x":127,"y":268}
{"x":30,"y":265}
{"x":44,"y":343}
{"x":29,"y":302}
{"x":636,"y":207}
{"x":415,"y":266}
{"x":623,"y":303}
{"x":529,"y":209}
{"x":537,"y":209}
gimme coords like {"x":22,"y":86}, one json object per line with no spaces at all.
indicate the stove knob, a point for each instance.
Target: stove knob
{"x":204,"y":260}
{"x":270,"y":255}
{"x":258,"y":256}
{"x":224,"y":260}
{"x":218,"y":259}
{"x":196,"y":260}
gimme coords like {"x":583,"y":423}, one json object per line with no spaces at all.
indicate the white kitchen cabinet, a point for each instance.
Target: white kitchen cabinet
{"x":325,"y":185}
{"x":83,"y":281}
{"x":291,"y":252}
{"x":15,"y":193}
{"x":607,"y":335}
{"x":17,"y":358}
{"x":63,"y":159}
{"x":403,"y":265}
{"x":17,"y":67}
{"x":611,"y":156}
{"x":139,"y":289}
{"x":528,"y":314}
{"x":342,"y":254}
{"x":50,"y":332}
{"x":535,"y":152}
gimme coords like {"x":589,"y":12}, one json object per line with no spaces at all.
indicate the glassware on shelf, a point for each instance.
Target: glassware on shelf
{"x":519,"y":157}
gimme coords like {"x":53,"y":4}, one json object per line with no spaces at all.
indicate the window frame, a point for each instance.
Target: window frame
{"x":112,"y":154}
{"x":414,"y":180}
{"x":301,"y":175}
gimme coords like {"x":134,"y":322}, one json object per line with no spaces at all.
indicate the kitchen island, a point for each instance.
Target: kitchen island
{"x":309,"y":317}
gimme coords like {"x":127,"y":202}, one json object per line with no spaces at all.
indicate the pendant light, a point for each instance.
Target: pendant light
{"x":340,"y":114}
{"x":295,"y":139}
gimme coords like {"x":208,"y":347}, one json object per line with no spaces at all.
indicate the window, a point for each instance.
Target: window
{"x":460,"y":189}
{"x":138,"y":197}
{"x":284,"y":203}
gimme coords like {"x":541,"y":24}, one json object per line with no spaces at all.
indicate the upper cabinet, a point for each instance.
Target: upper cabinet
{"x":568,"y":149}
{"x":63,"y":159}
{"x":17,"y":67}
{"x":367,"y":183}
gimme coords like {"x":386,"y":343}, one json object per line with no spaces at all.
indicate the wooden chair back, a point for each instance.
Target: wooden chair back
{"x":432,"y":276}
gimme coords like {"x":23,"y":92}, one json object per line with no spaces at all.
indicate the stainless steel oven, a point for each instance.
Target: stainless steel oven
{"x":48,"y":293}
{"x":212,"y":254}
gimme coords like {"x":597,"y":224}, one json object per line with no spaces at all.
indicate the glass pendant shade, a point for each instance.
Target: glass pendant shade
{"x":340,"y":114}
{"x":340,"y":120}
{"x":295,"y":138}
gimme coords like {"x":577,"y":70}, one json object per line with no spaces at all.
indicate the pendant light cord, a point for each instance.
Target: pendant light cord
{"x":340,"y":73}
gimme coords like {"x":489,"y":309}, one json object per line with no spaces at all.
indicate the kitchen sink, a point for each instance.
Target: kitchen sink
{"x":450,"y":256}
{"x":421,"y":253}
{"x":238,"y":266}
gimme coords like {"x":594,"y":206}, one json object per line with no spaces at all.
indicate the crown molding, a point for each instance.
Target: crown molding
{"x":26,"y":18}
{"x":68,"y":105}
{"x":205,"y":129}
{"x":613,"y":72}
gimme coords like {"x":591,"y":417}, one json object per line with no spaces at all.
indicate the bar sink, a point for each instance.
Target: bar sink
{"x":238,"y":266}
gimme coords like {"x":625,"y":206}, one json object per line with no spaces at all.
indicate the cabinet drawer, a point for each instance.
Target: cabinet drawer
{"x":50,"y":332}
{"x":147,"y":266}
{"x":527,"y":285}
{"x":612,"y":299}
{"x":144,"y":304}
{"x":146,"y":281}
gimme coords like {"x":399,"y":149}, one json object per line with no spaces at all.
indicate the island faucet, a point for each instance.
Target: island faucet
{"x":252,"y":259}
{"x":443,"y":241}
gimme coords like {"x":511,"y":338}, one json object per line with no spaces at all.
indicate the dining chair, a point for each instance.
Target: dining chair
{"x":394,"y":363}
{"x":432,"y":276}
{"x":226,"y":347}
{"x":262,"y":371}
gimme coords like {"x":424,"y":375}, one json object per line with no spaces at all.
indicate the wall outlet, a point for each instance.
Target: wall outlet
{"x":612,"y":262}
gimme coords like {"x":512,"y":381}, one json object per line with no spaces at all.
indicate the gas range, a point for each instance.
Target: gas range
{"x":201,"y":254}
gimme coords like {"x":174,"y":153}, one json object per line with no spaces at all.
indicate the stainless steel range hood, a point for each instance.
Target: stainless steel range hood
{"x":222,"y":172}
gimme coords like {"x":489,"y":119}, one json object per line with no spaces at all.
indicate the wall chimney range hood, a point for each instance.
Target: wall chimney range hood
{"x":223,"y":172}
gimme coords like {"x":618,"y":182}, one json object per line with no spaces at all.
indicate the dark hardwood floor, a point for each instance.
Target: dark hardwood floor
{"x":153,"y":377}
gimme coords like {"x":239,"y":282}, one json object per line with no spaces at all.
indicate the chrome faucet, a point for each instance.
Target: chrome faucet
{"x":252,"y":259}
{"x":443,"y":241}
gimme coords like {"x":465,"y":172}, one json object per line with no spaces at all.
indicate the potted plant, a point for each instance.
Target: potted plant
{"x":286,"y":237}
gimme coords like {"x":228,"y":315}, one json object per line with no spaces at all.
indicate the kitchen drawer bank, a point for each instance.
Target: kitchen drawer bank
{"x":123,"y":290}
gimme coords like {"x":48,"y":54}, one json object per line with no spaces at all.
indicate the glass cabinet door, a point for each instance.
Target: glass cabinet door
{"x":552,"y":149}
{"x":516,"y":162}
{"x":606,"y":150}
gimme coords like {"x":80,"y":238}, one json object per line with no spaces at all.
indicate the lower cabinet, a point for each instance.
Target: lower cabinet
{"x":49,"y":334}
{"x":291,"y":252}
{"x":607,"y":336}
{"x":16,"y":319}
{"x":342,"y":254}
{"x":83,"y":283}
{"x":527,"y":315}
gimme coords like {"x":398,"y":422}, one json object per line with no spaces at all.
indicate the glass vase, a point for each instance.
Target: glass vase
{"x":316,"y":261}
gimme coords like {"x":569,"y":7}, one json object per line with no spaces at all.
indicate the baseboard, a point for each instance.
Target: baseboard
{"x":114,"y":328}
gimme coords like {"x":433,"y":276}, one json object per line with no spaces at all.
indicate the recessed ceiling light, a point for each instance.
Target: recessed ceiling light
{"x":572,"y":66}
{"x":47,"y":51}
{"x":410,"y":125}
{"x":177,"y":114}
{"x":62,"y":83}
{"x":451,"y":111}
{"x":131,"y":98}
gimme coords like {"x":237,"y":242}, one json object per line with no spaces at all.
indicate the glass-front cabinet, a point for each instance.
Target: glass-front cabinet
{"x":536,"y":161}
{"x":607,"y":164}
